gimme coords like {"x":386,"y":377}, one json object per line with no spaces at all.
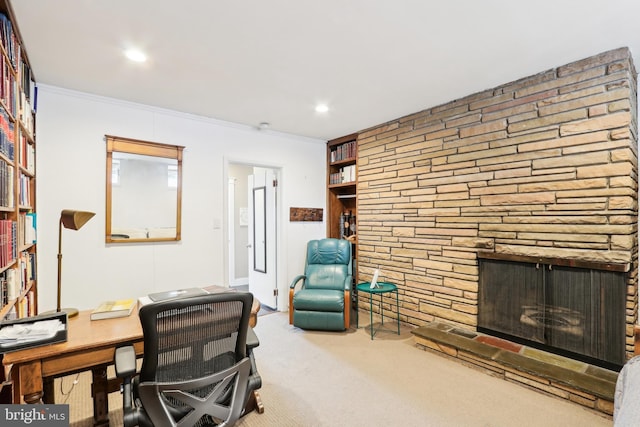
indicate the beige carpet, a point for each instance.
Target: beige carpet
{"x":345,"y":379}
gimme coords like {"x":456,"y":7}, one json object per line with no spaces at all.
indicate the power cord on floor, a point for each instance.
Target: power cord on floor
{"x":67,"y":394}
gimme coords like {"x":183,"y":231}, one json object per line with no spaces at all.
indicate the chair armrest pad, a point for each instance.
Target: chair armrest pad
{"x":296,"y":280}
{"x":125,"y":361}
{"x":347,"y":282}
{"x":252,"y":339}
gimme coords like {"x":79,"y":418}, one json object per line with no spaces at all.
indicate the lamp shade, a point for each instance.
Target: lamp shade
{"x":74,"y":220}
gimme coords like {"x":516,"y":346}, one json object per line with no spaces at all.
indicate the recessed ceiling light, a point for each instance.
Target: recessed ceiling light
{"x":135,"y":55}
{"x":322,"y":108}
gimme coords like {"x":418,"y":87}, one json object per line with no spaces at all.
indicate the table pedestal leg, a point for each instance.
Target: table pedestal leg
{"x":27,"y":380}
{"x":100,"y":394}
{"x":49,"y":390}
{"x":33,"y":398}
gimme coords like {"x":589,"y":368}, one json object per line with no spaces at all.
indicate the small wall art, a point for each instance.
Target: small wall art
{"x":305,"y":214}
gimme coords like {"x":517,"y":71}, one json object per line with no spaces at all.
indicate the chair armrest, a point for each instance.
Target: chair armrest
{"x":296,"y":279}
{"x":292,"y":291}
{"x":347,"y":282}
{"x":125,"y":361}
{"x":252,"y":339}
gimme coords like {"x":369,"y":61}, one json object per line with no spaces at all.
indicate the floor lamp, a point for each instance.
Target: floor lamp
{"x":73,"y":220}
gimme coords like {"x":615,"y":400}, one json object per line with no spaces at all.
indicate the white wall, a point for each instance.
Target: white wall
{"x":71,"y":156}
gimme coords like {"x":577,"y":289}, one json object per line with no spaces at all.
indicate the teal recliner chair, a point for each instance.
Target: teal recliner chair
{"x":323,"y":300}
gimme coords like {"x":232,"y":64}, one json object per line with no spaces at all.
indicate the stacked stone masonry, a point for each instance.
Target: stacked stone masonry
{"x":545,"y":166}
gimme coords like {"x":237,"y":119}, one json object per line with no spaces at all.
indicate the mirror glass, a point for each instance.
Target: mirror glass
{"x":143,"y":191}
{"x":259,"y":230}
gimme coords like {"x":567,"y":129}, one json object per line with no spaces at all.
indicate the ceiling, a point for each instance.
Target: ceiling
{"x":370,"y":61}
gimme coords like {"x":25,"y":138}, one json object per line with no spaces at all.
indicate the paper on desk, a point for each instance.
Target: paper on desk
{"x":36,"y":331}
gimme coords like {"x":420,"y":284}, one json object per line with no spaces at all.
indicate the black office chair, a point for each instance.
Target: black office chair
{"x":197,"y":368}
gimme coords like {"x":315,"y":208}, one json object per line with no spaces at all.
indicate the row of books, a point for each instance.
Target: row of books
{"x":27,"y":229}
{"x":25,"y":190}
{"x":27,"y":155}
{"x":8,"y":39}
{"x":27,"y":268}
{"x":26,"y":307}
{"x":13,"y":282}
{"x":7,"y":132}
{"x":6,"y":185}
{"x":343,"y":152}
{"x":8,"y":86}
{"x":15,"y":235}
{"x":344,"y":175}
{"x":8,"y":242}
{"x":28,"y":85}
{"x":11,"y":64}
{"x":27,"y":116}
{"x":28,"y":97}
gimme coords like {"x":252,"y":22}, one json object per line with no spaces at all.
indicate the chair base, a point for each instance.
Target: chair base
{"x":322,"y":321}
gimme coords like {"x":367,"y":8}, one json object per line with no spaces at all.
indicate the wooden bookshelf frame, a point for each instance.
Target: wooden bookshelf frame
{"x":343,"y":196}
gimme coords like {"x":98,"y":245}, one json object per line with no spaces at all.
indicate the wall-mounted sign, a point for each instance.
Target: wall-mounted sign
{"x":305,"y":214}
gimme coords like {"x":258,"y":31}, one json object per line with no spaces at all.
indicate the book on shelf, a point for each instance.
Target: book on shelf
{"x":349,"y":173}
{"x":345,"y":175}
{"x":30,"y":228}
{"x":13,"y":285}
{"x":111,"y":309}
{"x":343,"y":152}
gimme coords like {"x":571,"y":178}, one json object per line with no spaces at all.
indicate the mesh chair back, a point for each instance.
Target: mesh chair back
{"x":191,"y":338}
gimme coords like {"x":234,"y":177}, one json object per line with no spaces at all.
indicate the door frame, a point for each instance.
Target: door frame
{"x":231,"y":247}
{"x":280,"y":249}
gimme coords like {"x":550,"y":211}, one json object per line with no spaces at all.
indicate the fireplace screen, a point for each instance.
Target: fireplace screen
{"x":576,"y":312}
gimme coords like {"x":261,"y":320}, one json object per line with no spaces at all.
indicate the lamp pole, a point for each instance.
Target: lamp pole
{"x":59,"y":309}
{"x":73,"y":220}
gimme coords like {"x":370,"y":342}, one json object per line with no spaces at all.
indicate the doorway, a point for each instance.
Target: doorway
{"x":252,"y":223}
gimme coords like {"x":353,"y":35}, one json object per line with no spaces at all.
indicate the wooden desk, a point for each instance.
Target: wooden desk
{"x":90,"y":346}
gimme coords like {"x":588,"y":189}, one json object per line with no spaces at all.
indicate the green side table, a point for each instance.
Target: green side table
{"x":383,"y":288}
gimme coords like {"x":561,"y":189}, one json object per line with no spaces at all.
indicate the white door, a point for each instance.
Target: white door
{"x":262,"y":236}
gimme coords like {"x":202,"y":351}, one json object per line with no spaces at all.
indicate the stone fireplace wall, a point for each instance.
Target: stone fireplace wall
{"x":545,"y":166}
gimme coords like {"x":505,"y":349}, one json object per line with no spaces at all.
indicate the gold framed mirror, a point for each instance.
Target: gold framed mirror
{"x":143,"y":191}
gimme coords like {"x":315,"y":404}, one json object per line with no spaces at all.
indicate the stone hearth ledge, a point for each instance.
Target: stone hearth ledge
{"x":582,"y":383}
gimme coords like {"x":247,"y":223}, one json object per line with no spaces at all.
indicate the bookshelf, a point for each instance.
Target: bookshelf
{"x":342,"y":180}
{"x":18,"y":290}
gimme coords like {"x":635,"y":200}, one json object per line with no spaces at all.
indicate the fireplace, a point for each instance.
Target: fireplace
{"x":575,"y":311}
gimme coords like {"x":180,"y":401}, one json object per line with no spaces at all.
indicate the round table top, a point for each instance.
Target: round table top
{"x":380,"y":289}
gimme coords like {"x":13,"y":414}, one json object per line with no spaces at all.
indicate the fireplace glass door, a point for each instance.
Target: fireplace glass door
{"x":577,"y":312}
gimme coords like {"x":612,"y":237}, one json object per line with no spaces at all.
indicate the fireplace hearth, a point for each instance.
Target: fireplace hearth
{"x":577,"y":312}
{"x":590,"y":386}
